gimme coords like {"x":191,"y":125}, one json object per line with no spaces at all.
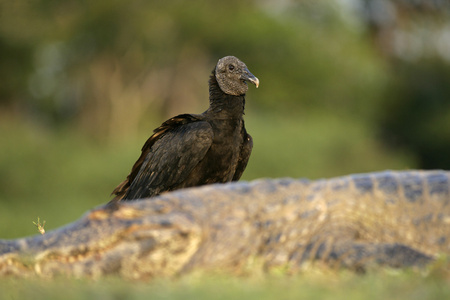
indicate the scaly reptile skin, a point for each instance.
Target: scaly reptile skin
{"x":397,"y":219}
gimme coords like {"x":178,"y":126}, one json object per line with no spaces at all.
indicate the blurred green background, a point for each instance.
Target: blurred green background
{"x":346,"y":86}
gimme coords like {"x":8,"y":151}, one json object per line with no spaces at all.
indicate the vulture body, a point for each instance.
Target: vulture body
{"x":196,"y":149}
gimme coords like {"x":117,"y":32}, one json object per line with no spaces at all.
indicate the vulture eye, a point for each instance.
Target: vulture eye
{"x":230,"y":67}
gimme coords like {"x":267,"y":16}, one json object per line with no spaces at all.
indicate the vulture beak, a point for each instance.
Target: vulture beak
{"x":247,"y":75}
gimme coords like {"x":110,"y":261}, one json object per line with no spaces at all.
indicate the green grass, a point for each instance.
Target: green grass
{"x":56,"y":176}
{"x":316,"y":145}
{"x":312,"y":284}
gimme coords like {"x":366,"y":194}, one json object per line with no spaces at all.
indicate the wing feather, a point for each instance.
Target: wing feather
{"x":167,"y":157}
{"x":244,"y":156}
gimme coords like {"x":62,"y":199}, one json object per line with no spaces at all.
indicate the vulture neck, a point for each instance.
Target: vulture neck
{"x":224,"y":106}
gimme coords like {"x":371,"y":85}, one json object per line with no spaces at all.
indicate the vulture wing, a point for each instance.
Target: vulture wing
{"x":167,"y":158}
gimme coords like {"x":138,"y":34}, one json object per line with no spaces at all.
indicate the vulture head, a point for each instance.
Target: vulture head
{"x":232,"y":76}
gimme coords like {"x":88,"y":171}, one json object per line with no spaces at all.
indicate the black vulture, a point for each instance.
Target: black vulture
{"x":197,"y":149}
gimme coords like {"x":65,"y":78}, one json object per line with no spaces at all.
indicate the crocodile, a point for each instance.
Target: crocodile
{"x":397,"y":219}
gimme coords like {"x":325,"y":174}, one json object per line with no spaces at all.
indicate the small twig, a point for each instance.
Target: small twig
{"x":40,"y":226}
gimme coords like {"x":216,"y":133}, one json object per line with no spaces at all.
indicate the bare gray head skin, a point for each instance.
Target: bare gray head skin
{"x":232,"y":76}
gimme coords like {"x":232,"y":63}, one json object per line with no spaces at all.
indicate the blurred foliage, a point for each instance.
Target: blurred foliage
{"x":109,"y":65}
{"x":83,"y":83}
{"x":418,"y":117}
